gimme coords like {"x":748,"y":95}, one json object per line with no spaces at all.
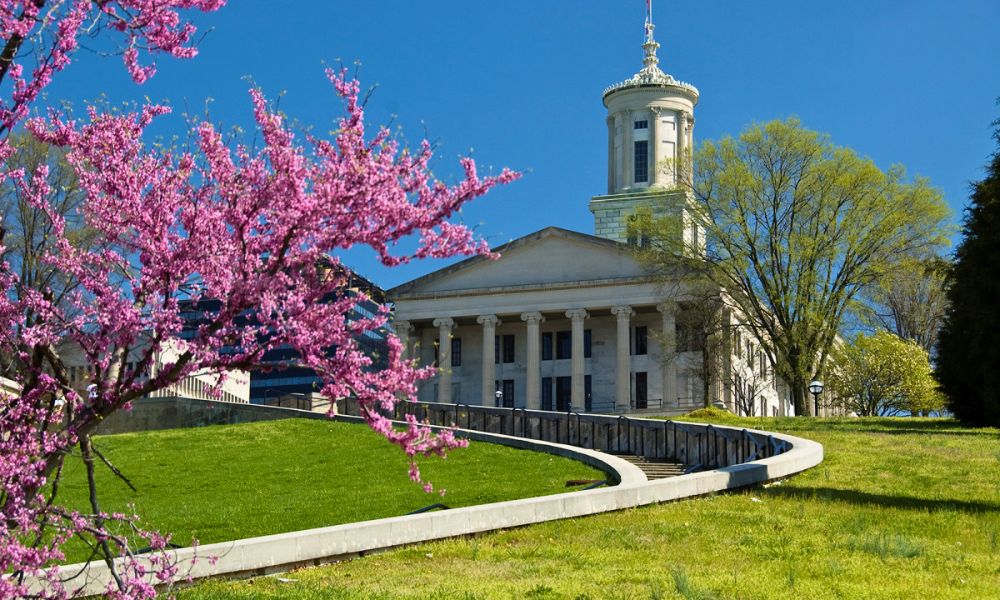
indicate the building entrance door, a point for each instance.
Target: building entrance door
{"x":564,"y":393}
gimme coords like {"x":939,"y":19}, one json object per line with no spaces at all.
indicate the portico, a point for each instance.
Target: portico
{"x":595,"y":336}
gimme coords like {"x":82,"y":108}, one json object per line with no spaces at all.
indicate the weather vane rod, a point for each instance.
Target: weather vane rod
{"x":649,"y":20}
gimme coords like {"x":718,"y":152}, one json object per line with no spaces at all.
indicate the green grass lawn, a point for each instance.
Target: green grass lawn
{"x":901,"y":508}
{"x":228,"y":482}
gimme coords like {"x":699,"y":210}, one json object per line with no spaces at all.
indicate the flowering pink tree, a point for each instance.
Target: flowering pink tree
{"x":259,"y":231}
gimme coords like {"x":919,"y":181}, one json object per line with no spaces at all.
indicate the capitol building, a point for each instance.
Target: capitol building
{"x":568,"y":320}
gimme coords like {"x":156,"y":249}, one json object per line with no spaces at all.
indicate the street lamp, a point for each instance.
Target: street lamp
{"x":499,"y":396}
{"x":816,"y":387}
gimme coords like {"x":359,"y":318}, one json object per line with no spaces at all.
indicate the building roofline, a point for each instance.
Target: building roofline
{"x":551,"y":231}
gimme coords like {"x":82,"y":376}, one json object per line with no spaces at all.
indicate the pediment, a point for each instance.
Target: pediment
{"x":547,"y":257}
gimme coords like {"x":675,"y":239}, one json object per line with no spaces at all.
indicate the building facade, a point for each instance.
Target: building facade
{"x":280,"y":378}
{"x":571,"y":321}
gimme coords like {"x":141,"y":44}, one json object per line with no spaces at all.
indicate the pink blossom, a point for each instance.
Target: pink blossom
{"x":260,"y":232}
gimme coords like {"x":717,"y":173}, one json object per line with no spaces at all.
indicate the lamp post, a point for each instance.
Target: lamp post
{"x":499,"y":396}
{"x":816,"y":388}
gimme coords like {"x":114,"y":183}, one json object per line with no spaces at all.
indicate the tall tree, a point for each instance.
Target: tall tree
{"x":258,"y":231}
{"x":968,"y":353}
{"x":28,"y":228}
{"x":910,"y":300}
{"x":794,"y":228}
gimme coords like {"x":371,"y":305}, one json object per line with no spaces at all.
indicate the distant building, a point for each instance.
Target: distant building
{"x":200,"y":384}
{"x":282,"y":382}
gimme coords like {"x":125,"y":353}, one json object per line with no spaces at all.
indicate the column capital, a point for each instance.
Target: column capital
{"x":402,"y":326}
{"x":577,"y":314}
{"x":667,"y":307}
{"x":445,"y":323}
{"x":488,"y":320}
{"x":623,"y":311}
{"x":532,"y":318}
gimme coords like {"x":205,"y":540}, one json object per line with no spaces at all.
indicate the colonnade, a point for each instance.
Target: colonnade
{"x":532,"y":321}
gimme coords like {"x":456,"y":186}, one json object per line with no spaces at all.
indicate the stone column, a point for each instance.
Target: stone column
{"x":444,"y":359}
{"x":627,"y":149}
{"x":533,"y":384}
{"x":403,"y":329}
{"x":611,"y":154}
{"x":490,"y":324}
{"x":690,"y":143}
{"x":668,"y":349}
{"x":654,"y":146}
{"x":724,"y":377}
{"x":681,"y":169}
{"x":623,"y":362}
{"x":577,"y":399}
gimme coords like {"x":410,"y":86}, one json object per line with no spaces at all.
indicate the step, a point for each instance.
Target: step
{"x":655,"y":468}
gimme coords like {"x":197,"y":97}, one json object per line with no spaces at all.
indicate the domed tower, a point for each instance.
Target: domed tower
{"x":650,"y":130}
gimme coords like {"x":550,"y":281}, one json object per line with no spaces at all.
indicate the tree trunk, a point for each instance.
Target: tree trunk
{"x":799,"y":400}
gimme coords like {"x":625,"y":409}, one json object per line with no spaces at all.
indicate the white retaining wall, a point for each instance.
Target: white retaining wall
{"x":285,"y":551}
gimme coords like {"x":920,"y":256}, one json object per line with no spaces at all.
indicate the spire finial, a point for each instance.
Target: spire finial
{"x":650,"y":46}
{"x":649,"y":20}
{"x":650,"y":74}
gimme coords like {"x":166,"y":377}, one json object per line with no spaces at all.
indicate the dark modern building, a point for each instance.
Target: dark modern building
{"x":283,"y":384}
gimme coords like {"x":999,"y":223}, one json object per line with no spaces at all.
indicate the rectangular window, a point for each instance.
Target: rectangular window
{"x":690,"y":332}
{"x":564,"y":344}
{"x":641,"y":390}
{"x":547,"y":345}
{"x":508,"y":348}
{"x":641,"y":156}
{"x":587,"y":342}
{"x":508,"y":393}
{"x":642,"y":124}
{"x":564,"y":387}
{"x":641,"y":336}
{"x":496,"y":349}
{"x":456,"y":352}
{"x":546,"y":393}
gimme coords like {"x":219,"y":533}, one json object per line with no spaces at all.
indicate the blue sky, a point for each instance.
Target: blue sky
{"x":518,"y":83}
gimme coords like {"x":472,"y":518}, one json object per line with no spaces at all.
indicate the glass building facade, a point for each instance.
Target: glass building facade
{"x":277,"y":377}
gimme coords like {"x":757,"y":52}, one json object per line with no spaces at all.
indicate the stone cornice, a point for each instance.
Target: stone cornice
{"x":658,"y":80}
{"x":530,"y":287}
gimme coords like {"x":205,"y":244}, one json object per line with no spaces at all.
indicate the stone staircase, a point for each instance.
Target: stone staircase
{"x":655,"y":468}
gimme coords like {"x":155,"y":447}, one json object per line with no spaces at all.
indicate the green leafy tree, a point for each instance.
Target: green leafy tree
{"x":883,"y":374}
{"x":910,"y":301}
{"x":27,"y":232}
{"x":794,"y":228}
{"x":968,"y":360}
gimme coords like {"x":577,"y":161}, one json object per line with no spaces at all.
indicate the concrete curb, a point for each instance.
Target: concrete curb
{"x":286,"y":551}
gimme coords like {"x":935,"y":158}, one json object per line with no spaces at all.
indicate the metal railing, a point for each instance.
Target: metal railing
{"x":697,"y":446}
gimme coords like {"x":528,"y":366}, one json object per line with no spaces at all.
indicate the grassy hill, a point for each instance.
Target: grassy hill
{"x":228,"y":482}
{"x":901,"y":508}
